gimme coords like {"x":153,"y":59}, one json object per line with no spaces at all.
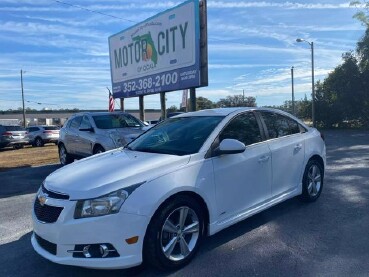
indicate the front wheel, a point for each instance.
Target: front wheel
{"x":38,"y":142}
{"x":98,"y":149}
{"x":174,"y":234}
{"x":64,"y":157}
{"x":312,"y":182}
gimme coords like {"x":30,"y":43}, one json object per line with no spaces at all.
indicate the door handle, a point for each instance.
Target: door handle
{"x":263,"y":159}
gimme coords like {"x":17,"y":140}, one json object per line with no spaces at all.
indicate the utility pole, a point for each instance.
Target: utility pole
{"x":312,"y":85}
{"x":293,"y":92}
{"x":24,"y":111}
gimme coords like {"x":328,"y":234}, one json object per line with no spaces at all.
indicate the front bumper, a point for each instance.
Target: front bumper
{"x":68,"y":232}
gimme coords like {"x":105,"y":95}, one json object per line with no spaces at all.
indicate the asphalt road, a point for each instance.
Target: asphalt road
{"x":325,"y":238}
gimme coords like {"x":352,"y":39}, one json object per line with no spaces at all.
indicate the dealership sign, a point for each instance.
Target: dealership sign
{"x":158,"y":55}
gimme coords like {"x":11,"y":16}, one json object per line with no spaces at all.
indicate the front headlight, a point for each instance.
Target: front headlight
{"x":104,"y":205}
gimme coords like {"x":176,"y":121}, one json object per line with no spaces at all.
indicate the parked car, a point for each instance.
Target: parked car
{"x":89,"y":133}
{"x":183,"y":179}
{"x":15,"y":136}
{"x":39,"y":135}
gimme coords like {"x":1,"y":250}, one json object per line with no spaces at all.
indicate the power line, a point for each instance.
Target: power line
{"x":92,"y":11}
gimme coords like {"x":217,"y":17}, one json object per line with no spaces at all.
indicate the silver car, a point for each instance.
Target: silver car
{"x":15,"y":136}
{"x":39,"y":135}
{"x":89,"y":133}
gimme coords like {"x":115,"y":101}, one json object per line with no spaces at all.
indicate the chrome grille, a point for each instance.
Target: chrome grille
{"x":46,"y":213}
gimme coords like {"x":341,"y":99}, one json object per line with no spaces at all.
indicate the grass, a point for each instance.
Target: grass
{"x":28,"y":156}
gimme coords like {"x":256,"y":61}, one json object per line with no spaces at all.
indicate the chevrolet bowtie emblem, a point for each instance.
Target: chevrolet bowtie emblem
{"x":42,"y":198}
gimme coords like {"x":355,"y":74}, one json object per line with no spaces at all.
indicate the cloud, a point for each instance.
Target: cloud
{"x":285,"y":5}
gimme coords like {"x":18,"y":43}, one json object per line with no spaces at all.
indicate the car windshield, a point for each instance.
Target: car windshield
{"x":176,"y":136}
{"x":112,"y":121}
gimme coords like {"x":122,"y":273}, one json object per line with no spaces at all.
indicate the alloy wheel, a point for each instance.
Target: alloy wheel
{"x":314,"y":180}
{"x":62,"y":155}
{"x":180,"y":233}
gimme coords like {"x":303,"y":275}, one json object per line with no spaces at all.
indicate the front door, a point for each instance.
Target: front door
{"x":243,"y":180}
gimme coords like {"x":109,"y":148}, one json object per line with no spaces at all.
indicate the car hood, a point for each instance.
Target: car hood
{"x":104,"y":173}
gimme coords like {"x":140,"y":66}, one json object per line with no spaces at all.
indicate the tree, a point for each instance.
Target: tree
{"x":172,"y":109}
{"x":237,"y":101}
{"x":362,"y":15}
{"x":203,"y":103}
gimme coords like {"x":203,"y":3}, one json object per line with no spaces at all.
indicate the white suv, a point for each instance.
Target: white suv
{"x":187,"y":177}
{"x":39,"y":135}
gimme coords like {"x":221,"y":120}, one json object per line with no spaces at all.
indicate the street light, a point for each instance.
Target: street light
{"x":312,"y":79}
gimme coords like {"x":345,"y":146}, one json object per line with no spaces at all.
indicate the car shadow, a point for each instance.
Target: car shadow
{"x":24,"y":180}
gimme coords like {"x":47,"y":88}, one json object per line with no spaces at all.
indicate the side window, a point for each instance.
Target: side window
{"x":33,"y":129}
{"x":294,"y":126}
{"x":279,"y":125}
{"x":85,"y":124}
{"x":244,"y":128}
{"x":75,"y":122}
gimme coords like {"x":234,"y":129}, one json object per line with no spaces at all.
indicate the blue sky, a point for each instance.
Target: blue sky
{"x":64,"y":50}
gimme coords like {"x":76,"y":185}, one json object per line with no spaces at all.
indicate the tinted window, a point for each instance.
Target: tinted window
{"x":85,"y":124}
{"x":244,"y":128}
{"x":51,"y":128}
{"x":279,"y":125}
{"x":75,"y":122}
{"x":32,"y":129}
{"x":112,"y":121}
{"x":176,"y":136}
{"x":14,"y":128}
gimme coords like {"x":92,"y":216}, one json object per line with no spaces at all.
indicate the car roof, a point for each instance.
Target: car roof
{"x":225,"y":111}
{"x":99,"y":113}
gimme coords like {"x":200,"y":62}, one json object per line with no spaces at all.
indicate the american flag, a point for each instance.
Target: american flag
{"x":111,"y":102}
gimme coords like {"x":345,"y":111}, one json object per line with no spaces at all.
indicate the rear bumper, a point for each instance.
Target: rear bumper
{"x":13,"y":142}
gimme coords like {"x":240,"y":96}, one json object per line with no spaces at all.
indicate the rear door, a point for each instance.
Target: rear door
{"x":71,"y":138}
{"x":287,"y":145}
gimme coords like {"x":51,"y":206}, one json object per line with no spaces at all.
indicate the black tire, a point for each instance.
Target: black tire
{"x":156,"y":235}
{"x":98,"y":149}
{"x":312,"y":182}
{"x":38,"y":142}
{"x":18,"y":146}
{"x":64,"y":157}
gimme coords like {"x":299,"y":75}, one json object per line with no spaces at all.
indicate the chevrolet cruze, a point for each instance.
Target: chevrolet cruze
{"x":188,"y":177}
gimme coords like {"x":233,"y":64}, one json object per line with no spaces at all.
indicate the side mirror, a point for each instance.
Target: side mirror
{"x":229,"y":146}
{"x":87,"y":129}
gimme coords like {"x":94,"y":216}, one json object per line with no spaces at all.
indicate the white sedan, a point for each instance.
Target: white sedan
{"x":189,"y":176}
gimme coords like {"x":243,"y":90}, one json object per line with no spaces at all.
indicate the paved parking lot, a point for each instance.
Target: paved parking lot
{"x":326,"y":238}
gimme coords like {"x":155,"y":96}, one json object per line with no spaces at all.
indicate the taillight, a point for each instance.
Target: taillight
{"x":48,"y":132}
{"x":322,"y":136}
{"x":8,"y":134}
